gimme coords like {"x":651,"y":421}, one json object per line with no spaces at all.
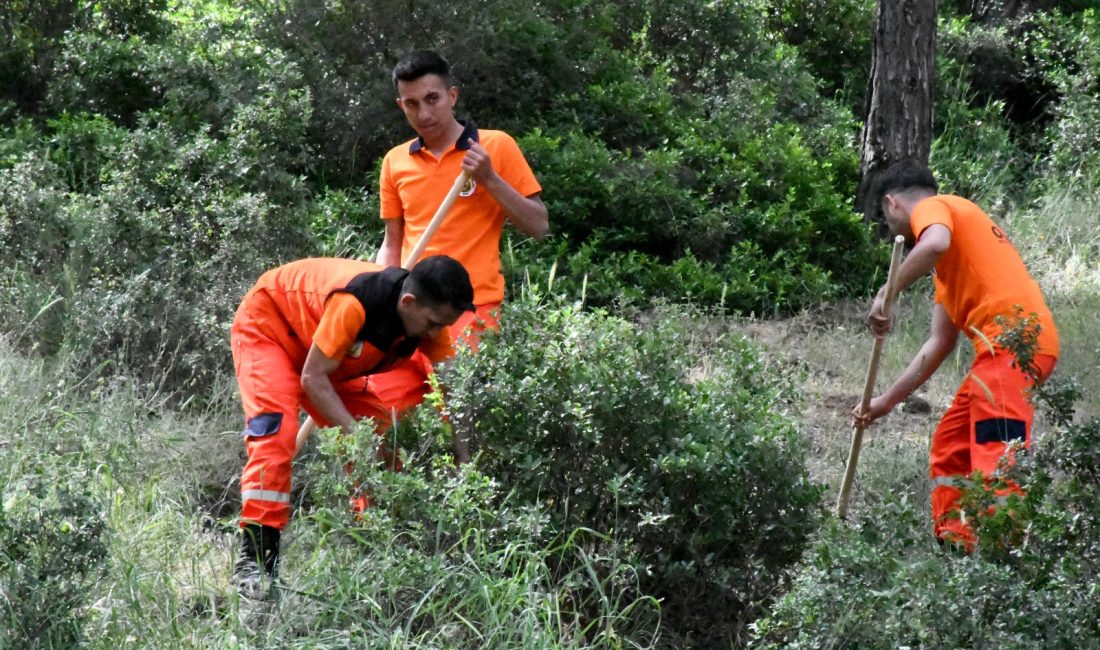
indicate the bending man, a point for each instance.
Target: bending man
{"x":980,"y":284}
{"x":306,"y":336}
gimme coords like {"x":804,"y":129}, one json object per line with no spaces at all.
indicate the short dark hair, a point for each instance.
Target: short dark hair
{"x":440,"y":280}
{"x":903,"y":175}
{"x":419,"y":63}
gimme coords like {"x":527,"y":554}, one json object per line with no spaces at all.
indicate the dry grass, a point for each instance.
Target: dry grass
{"x":831,"y":350}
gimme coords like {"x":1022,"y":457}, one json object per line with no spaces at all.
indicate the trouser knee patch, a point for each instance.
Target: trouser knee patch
{"x":1000,"y":430}
{"x":263,"y":424}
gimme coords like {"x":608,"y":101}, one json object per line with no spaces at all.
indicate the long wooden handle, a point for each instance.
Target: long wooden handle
{"x":437,"y":219}
{"x":869,"y":384}
{"x":452,"y":195}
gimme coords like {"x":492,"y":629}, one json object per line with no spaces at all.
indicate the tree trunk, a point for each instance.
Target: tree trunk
{"x":898,"y":120}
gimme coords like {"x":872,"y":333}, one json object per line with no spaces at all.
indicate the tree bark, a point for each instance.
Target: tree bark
{"x":898,"y":118}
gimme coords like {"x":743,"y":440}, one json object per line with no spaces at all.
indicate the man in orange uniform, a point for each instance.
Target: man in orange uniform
{"x":415,"y":178}
{"x":978,"y":277}
{"x":307,"y":335}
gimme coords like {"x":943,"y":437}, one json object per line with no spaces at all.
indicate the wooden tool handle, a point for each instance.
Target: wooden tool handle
{"x":437,"y":219}
{"x":869,"y":383}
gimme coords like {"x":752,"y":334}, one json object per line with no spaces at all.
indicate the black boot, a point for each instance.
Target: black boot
{"x":259,"y":547}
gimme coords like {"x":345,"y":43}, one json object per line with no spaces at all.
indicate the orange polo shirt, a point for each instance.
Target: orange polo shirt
{"x":981,"y":276}
{"x":414,"y":182}
{"x":294,"y":304}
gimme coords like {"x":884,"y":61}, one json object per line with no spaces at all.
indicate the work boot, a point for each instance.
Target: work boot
{"x":259,"y":548}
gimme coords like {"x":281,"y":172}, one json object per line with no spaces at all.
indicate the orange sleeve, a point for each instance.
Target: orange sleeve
{"x":930,"y":212}
{"x":389,"y":199}
{"x":440,"y":348}
{"x":340,"y":324}
{"x":513,"y":167}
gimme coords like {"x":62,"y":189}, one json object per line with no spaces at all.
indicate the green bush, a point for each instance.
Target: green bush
{"x":620,"y":429}
{"x":345,"y":223}
{"x":1019,"y":100}
{"x":103,"y":74}
{"x":977,"y":151}
{"x":1073,"y":134}
{"x":834,"y":38}
{"x":756,"y":224}
{"x":53,"y":543}
{"x":149,"y":236}
{"x":84,"y":147}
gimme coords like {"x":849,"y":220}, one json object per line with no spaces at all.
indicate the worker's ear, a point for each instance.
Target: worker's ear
{"x":407,"y":300}
{"x":888,"y":201}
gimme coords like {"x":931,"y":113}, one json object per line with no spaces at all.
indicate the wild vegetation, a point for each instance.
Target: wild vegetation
{"x":663,"y":420}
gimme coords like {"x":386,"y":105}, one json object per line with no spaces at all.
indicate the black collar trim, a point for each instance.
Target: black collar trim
{"x":468,"y":135}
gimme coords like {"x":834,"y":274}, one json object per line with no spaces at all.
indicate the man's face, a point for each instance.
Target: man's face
{"x":896,"y":218}
{"x":423,"y":321}
{"x":428,"y":104}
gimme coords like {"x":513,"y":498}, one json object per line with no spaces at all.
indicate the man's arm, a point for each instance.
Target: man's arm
{"x":527,"y":213}
{"x":389,"y":254}
{"x":934,"y":242}
{"x":941,"y":341}
{"x":319,"y":389}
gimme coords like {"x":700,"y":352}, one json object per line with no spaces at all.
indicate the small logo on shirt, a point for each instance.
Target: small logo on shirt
{"x":356,"y":350}
{"x":468,"y":188}
{"x":999,"y":234}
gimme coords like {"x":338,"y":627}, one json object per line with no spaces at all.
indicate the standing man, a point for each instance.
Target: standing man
{"x":416,"y":176}
{"x":980,"y":283}
{"x":306,"y":336}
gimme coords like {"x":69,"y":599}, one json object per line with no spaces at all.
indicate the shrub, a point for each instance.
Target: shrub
{"x":618,"y":429}
{"x":52,"y":547}
{"x":166,"y":225}
{"x":975,"y":152}
{"x":754,"y":221}
{"x":1073,"y":133}
{"x":100,"y":73}
{"x":834,"y":38}
{"x":345,"y":223}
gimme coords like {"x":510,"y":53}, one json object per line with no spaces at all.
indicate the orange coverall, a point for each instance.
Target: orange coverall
{"x":979,"y":278}
{"x":348,"y":309}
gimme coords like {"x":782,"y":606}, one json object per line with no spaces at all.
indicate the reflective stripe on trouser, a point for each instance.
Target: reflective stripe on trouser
{"x":270,"y":385}
{"x":405,"y":384}
{"x":991,"y":410}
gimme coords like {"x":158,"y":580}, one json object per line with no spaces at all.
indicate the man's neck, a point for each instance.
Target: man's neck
{"x":447,"y":140}
{"x":911,"y":198}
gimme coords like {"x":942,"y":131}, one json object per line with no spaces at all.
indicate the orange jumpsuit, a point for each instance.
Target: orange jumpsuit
{"x":348,"y":309}
{"x":981,"y":277}
{"x":412,"y":185}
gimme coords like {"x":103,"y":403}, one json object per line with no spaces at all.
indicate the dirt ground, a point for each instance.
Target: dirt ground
{"x":828,"y":351}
